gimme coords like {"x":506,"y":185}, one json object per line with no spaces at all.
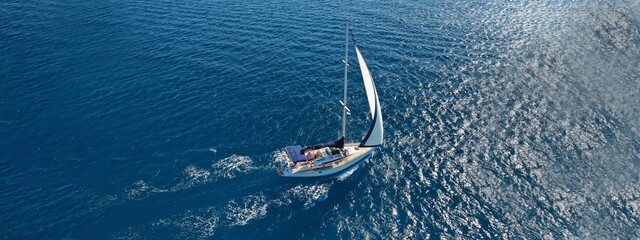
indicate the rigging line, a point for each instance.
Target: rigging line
{"x":312,"y":130}
{"x":299,"y":132}
{"x":310,"y":134}
{"x":351,"y":32}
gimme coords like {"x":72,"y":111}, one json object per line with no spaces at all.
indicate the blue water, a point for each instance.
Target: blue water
{"x":167,"y":119}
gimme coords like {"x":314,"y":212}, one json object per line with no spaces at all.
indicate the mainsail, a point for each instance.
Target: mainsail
{"x":374,"y":136}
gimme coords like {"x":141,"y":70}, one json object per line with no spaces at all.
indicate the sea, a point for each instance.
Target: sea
{"x":163,"y":119}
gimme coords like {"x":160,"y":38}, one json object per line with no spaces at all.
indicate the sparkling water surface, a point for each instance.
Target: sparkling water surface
{"x":167,"y":119}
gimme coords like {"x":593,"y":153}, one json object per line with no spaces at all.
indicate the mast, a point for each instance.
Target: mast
{"x":346,"y":55}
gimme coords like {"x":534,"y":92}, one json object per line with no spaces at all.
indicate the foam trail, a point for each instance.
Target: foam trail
{"x":227,"y":168}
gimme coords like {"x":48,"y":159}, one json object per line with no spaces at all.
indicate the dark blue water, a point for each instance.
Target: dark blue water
{"x":165,"y":119}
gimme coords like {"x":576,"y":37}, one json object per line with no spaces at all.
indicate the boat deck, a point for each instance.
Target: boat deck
{"x":351,"y":147}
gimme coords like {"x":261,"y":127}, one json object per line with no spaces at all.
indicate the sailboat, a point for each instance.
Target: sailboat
{"x":329,"y":158}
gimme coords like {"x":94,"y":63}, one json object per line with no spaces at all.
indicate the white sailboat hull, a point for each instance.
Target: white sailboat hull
{"x":292,"y":171}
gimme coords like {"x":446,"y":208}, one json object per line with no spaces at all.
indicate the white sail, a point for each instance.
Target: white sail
{"x":374,"y":136}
